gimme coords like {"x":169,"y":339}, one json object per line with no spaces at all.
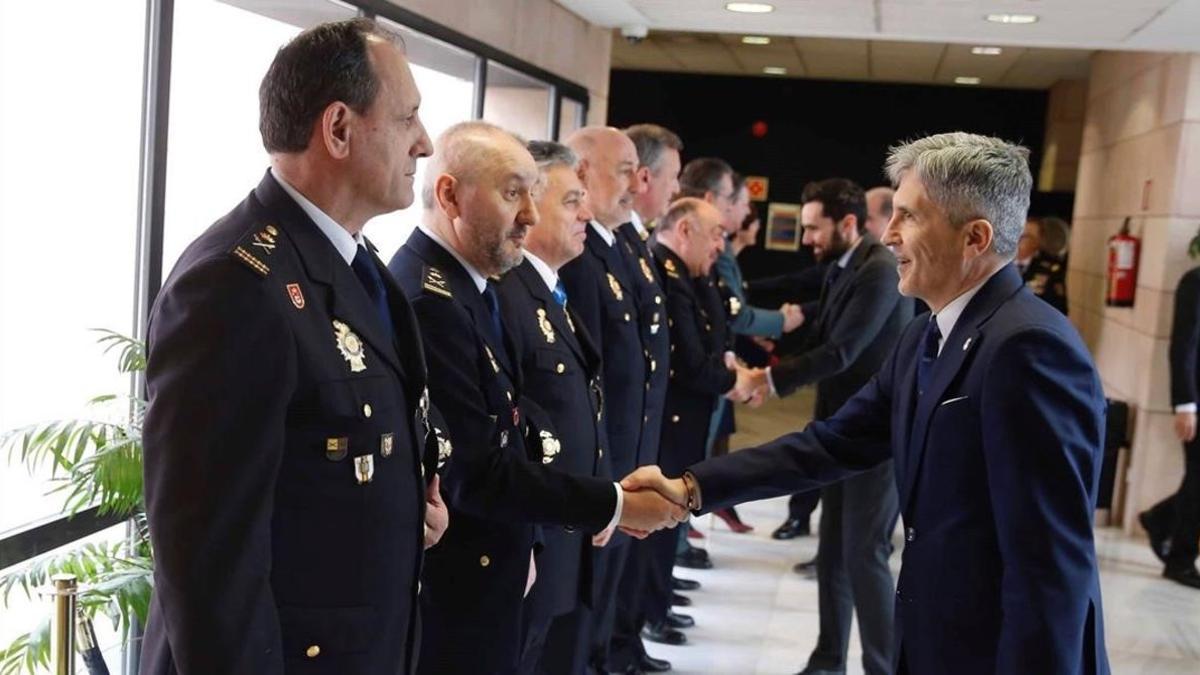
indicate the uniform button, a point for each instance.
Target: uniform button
{"x":560,"y":368}
{"x":658,"y":299}
{"x":484,"y":561}
{"x":674,"y":418}
{"x":671,"y":373}
{"x":313,"y":651}
{"x":653,"y":365}
{"x":600,"y":452}
{"x":910,"y":534}
{"x":626,"y":316}
{"x":645,"y":418}
{"x":367,"y":410}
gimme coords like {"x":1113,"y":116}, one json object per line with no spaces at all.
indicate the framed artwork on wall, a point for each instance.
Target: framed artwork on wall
{"x":783,"y":227}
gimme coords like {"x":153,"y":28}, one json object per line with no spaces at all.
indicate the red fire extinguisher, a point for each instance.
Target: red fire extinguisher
{"x":1122,"y":268}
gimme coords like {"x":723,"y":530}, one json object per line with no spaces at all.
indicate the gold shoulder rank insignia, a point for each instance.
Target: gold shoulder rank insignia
{"x":251,"y":261}
{"x":669,"y":265}
{"x":264,"y":240}
{"x":544,"y":324}
{"x":616,"y":287}
{"x":435,"y":282}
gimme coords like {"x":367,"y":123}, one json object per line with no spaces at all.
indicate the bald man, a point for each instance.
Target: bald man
{"x":478,"y":205}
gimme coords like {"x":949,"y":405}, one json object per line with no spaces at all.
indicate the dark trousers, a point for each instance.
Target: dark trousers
{"x":644,"y":596}
{"x":802,"y":505}
{"x":1178,"y":516}
{"x":857,"y":520}
{"x":565,"y":649}
{"x":597,"y":624}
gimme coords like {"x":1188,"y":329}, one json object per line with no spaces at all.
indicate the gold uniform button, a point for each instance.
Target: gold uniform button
{"x":671,"y":373}
{"x":560,"y":369}
{"x":484,"y":561}
{"x":658,"y":300}
{"x":600,"y":452}
{"x":674,"y":418}
{"x":645,"y":418}
{"x":313,"y":651}
{"x":367,"y":410}
{"x":653,"y":365}
{"x":626,"y":316}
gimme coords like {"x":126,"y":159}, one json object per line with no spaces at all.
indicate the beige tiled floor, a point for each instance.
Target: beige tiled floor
{"x":754,"y":615}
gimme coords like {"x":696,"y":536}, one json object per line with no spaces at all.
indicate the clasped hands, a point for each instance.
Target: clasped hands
{"x":751,"y":386}
{"x":652,"y":502}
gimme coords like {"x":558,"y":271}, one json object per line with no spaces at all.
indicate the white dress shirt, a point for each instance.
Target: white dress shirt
{"x":954,"y":309}
{"x":345,"y":243}
{"x":608,"y":237}
{"x":479,"y":279}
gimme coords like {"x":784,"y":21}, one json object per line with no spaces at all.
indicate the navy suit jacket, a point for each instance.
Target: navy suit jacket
{"x":997,"y":465}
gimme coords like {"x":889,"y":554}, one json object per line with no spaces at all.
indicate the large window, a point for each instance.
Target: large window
{"x":517,"y":102}
{"x":70,"y":120}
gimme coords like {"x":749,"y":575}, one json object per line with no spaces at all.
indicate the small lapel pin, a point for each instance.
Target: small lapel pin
{"x":967,"y":344}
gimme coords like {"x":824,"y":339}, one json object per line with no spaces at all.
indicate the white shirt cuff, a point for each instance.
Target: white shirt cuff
{"x":1186,"y":408}
{"x":620,"y":505}
{"x":771,"y":383}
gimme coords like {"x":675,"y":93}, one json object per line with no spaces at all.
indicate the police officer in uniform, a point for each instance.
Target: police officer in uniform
{"x":560,"y":367}
{"x":478,"y":206}
{"x":287,"y":406}
{"x":1045,"y":273}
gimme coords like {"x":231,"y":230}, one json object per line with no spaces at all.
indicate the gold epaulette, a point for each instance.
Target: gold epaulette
{"x":435,"y":282}
{"x":257,"y":247}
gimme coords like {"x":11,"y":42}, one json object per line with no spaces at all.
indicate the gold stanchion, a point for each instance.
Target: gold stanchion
{"x":63,"y":647}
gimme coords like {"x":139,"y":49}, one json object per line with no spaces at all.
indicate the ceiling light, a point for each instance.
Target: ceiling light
{"x":986,"y":51}
{"x":755,"y":40}
{"x":774,"y":70}
{"x":966,"y":80}
{"x":749,"y":7}
{"x":1012,"y":18}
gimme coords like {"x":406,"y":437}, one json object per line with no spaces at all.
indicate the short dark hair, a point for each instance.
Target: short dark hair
{"x":749,"y":219}
{"x":324,"y":64}
{"x":703,"y":175}
{"x":651,"y":140}
{"x":839,"y":197}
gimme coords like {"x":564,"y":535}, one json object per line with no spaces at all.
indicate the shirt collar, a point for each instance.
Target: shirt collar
{"x":951,"y":312}
{"x":845,"y":259}
{"x":345,"y":243}
{"x":479,"y":279}
{"x":605,"y":234}
{"x":636,"y":219}
{"x":548,"y":275}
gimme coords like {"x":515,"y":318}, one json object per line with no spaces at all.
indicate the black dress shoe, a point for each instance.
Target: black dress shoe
{"x":678,"y":584}
{"x":1160,"y":542}
{"x":678,"y":600}
{"x":694,"y":558}
{"x":790,"y":529}
{"x":663,"y":634}
{"x":679,"y":620}
{"x":807,"y":568}
{"x":649,"y":664}
{"x":1188,"y":576}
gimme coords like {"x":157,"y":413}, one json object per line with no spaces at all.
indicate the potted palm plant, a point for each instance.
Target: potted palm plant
{"x":92,"y":462}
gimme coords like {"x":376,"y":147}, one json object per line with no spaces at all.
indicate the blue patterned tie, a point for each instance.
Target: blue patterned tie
{"x":927,"y":353}
{"x":368,"y":274}
{"x":560,"y":294}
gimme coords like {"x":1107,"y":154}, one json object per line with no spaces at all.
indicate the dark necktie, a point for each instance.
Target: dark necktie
{"x":368,"y":274}
{"x":927,"y":353}
{"x":493,"y":309}
{"x":560,"y":294}
{"x":832,"y":275}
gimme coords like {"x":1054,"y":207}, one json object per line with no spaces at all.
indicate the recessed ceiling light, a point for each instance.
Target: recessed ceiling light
{"x":1012,"y":18}
{"x":966,"y":80}
{"x":774,"y":70}
{"x":756,"y":40}
{"x":749,"y":7}
{"x":986,"y":51}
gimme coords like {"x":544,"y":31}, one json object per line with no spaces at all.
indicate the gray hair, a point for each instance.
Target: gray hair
{"x":462,"y":152}
{"x":549,"y":154}
{"x":652,"y":141}
{"x":971,"y":176}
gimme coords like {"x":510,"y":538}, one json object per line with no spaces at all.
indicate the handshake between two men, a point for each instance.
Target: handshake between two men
{"x":653,"y":502}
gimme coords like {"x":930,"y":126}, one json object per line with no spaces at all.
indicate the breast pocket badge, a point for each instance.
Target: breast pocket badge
{"x":616,"y":287}
{"x":350,"y":345}
{"x":550,"y":446}
{"x":544,"y":324}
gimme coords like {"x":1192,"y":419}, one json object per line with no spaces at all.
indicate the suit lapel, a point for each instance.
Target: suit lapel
{"x":962,"y":341}
{"x":348,"y":300}
{"x":613,"y":263}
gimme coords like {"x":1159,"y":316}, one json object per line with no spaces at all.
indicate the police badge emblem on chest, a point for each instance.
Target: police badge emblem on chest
{"x":350,"y":345}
